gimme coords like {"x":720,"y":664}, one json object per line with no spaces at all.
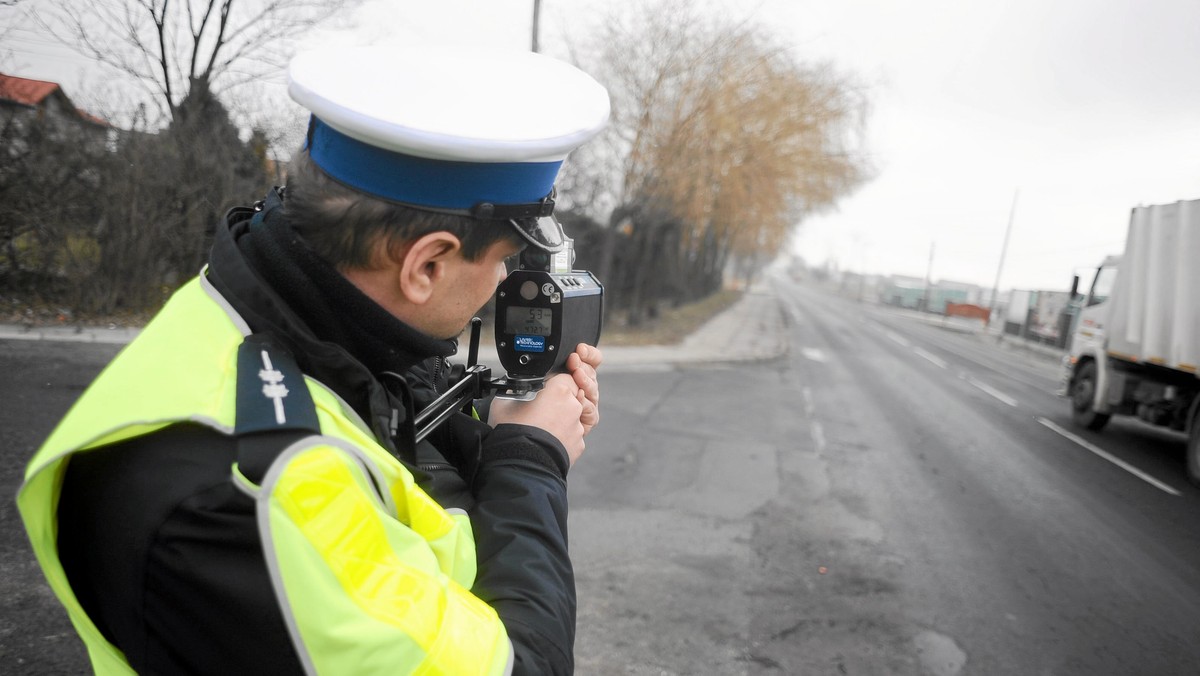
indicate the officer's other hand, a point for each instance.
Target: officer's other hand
{"x":558,"y":408}
{"x":582,"y":365}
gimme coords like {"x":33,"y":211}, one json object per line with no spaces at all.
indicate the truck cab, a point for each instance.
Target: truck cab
{"x":1135,"y":340}
{"x":1088,"y":344}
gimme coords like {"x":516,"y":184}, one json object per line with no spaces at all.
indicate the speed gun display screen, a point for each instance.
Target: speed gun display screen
{"x":528,"y":321}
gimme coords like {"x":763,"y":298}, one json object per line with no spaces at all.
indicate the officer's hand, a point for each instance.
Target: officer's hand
{"x":582,"y":365}
{"x":558,"y":408}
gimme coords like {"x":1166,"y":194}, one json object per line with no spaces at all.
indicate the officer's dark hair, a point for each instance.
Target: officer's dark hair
{"x":342,"y":225}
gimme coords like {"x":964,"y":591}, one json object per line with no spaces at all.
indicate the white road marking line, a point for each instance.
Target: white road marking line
{"x":949,"y":347}
{"x":809,"y":406}
{"x":930,"y":357}
{"x":993,"y":391}
{"x":814,"y":353}
{"x":1109,"y":457}
{"x":818,"y":436}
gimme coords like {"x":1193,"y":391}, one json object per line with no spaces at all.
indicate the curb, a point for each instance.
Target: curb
{"x":69,"y":334}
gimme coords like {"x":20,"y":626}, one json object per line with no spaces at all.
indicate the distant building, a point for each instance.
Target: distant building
{"x":914,"y":294}
{"x":961,"y":292}
{"x":29,"y":105}
{"x":905,"y":292}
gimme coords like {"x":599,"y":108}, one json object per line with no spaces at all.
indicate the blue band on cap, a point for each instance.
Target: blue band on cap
{"x":420,"y":181}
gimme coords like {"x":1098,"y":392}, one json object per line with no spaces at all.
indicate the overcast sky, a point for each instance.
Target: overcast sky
{"x":1082,"y":109}
{"x":1086,"y":107}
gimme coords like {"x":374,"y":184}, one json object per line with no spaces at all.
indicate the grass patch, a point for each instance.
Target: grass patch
{"x":672,"y":325}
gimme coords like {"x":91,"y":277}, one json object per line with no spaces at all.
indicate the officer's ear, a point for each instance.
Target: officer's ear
{"x":424,"y":264}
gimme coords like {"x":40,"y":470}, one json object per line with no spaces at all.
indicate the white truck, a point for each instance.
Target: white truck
{"x":1135,"y":346}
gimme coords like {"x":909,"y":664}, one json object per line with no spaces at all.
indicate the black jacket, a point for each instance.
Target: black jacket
{"x":163,"y":552}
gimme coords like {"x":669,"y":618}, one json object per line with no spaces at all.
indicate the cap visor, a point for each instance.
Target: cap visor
{"x":545,"y":232}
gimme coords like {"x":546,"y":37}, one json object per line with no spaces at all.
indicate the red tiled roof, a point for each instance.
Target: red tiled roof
{"x":25,"y":91}
{"x":91,"y":119}
{"x":29,"y":92}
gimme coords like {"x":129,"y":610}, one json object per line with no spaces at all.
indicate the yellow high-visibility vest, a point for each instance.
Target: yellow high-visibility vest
{"x":369,"y":580}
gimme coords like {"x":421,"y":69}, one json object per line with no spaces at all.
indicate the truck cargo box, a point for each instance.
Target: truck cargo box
{"x":1155,"y":316}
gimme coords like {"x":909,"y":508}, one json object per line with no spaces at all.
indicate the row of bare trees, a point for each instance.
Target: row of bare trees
{"x":721,"y":142}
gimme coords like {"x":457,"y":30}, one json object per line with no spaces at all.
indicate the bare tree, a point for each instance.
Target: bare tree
{"x":720,"y":143}
{"x":178,"y":48}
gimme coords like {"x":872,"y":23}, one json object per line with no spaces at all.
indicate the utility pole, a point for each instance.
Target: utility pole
{"x":928,"y":281}
{"x":1003,"y":251}
{"x":537,"y":11}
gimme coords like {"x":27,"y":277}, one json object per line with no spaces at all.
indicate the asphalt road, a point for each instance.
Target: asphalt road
{"x":886,"y":499}
{"x":40,"y":382}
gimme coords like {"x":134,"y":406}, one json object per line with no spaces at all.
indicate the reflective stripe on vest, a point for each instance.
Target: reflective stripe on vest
{"x":368,"y":580}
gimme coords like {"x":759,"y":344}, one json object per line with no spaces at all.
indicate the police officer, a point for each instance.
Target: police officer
{"x":240,"y":491}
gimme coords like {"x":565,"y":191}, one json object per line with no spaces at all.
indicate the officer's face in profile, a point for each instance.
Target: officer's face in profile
{"x":471,"y":284}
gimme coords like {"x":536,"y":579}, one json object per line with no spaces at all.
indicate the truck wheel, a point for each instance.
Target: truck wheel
{"x":1193,"y":453}
{"x":1083,"y":394}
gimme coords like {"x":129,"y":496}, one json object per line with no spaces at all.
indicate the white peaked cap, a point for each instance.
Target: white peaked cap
{"x":404,"y":121}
